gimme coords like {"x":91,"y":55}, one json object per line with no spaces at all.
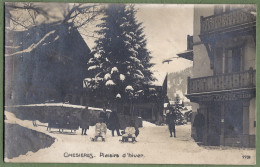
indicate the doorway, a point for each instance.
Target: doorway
{"x":233,"y":119}
{"x":213,"y":123}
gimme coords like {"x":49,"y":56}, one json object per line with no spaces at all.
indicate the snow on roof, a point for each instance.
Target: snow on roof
{"x":32,"y":46}
{"x":159,"y":78}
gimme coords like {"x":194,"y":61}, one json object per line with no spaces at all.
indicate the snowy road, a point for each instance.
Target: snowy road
{"x":154,"y":146}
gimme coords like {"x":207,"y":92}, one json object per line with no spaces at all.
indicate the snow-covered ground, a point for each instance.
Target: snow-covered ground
{"x":154,"y":146}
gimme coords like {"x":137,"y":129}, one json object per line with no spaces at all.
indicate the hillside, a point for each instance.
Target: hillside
{"x":177,"y":83}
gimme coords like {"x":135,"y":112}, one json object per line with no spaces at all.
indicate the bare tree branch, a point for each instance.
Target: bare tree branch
{"x":19,"y":23}
{"x":29,"y":6}
{"x":75,"y":15}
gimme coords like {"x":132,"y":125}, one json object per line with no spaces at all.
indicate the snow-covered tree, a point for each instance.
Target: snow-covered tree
{"x":120,"y":59}
{"x":135,"y":33}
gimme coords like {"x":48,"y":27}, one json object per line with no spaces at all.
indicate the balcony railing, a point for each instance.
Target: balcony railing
{"x":226,"y":20}
{"x":245,"y":79}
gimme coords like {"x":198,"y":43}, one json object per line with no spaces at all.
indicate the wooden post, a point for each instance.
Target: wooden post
{"x":245,"y":135}
{"x":188,"y":85}
{"x":222,"y":124}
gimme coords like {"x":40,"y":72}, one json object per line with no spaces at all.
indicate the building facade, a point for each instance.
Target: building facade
{"x":44,"y":63}
{"x":223,"y":85}
{"x":149,"y":105}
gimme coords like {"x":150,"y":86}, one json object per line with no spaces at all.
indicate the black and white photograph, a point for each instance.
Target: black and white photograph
{"x":130,"y":83}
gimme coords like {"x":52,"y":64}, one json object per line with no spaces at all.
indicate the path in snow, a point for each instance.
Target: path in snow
{"x":154,"y":146}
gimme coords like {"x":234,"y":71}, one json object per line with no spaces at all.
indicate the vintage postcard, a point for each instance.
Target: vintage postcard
{"x":130,"y":83}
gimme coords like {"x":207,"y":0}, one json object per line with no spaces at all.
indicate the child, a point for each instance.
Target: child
{"x":130,"y":132}
{"x":100,"y":130}
{"x":84,"y":121}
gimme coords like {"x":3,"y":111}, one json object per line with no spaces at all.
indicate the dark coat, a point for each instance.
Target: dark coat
{"x":103,"y":116}
{"x":136,"y":131}
{"x":170,"y":119}
{"x":84,"y":120}
{"x":113,"y":121}
{"x":199,"y":120}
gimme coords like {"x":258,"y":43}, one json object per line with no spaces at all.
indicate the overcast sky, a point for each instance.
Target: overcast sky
{"x":166,"y":27}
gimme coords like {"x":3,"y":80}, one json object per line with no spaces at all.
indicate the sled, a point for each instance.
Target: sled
{"x":126,"y":140}
{"x":95,"y":139}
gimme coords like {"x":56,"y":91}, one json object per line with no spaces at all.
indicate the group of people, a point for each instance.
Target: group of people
{"x":104,"y":122}
{"x":112,"y":123}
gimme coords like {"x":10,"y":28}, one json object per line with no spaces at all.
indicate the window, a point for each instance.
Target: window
{"x":234,"y":60}
{"x":218,"y":61}
{"x":227,"y":8}
{"x":218,"y":9}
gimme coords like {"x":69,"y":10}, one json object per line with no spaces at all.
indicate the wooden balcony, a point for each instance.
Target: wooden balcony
{"x":236,"y":20}
{"x":231,"y":81}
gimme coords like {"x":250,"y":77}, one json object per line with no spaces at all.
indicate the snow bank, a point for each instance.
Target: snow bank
{"x":58,"y":105}
{"x":148,"y":124}
{"x":20,"y":140}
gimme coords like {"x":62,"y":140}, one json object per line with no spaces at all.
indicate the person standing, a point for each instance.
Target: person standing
{"x":103,"y":115}
{"x":198,"y":123}
{"x":170,"y":119}
{"x":84,"y":123}
{"x":113,"y":123}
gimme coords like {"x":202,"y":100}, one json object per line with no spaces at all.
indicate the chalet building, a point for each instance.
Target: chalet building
{"x":149,"y":106}
{"x":223,"y":85}
{"x":44,"y":63}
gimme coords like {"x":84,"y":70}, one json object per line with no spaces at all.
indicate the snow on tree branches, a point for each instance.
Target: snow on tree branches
{"x":120,"y":56}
